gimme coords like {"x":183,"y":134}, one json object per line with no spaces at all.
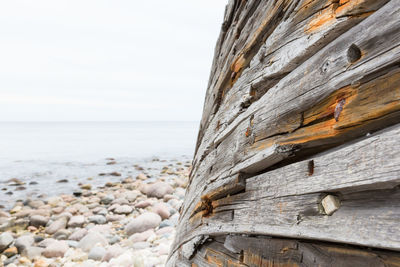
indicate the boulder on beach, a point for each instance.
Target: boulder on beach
{"x":142,"y":223}
{"x":92,"y":239}
{"x":143,"y":204}
{"x":32,"y":252}
{"x":38,"y":220}
{"x":76,"y":221}
{"x":78,"y":234}
{"x":140,"y":237}
{"x":107,"y":199}
{"x":162,"y":210}
{"x":97,"y":219}
{"x":158,"y":189}
{"x":24,"y":242}
{"x":97,"y":253}
{"x":124,"y":209}
{"x":55,"y":249}
{"x":6,"y":240}
{"x":56,"y":226}
{"x":113,"y":252}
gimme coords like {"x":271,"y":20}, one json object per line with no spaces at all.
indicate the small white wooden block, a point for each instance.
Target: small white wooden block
{"x":330,"y":204}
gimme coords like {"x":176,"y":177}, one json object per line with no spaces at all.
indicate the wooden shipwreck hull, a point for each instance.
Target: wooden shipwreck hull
{"x":298,"y":156}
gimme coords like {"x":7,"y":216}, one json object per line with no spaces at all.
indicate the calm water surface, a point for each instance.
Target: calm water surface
{"x":45,"y":152}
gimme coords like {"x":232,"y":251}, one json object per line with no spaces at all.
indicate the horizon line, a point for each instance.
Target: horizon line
{"x":103,"y":121}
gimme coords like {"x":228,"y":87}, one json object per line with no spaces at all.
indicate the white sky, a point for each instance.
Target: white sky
{"x":106,"y":60}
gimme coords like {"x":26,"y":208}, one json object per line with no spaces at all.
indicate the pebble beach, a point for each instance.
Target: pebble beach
{"x":125,"y":218}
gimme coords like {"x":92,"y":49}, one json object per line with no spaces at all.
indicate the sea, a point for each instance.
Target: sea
{"x":40,"y":154}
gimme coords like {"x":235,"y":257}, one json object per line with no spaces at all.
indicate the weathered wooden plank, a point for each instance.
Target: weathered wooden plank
{"x":290,"y":44}
{"x":312,"y":86}
{"x":265,"y":251}
{"x":290,"y":197}
{"x":291,"y":81}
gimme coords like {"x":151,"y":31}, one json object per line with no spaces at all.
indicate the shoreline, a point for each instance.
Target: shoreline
{"x":127,"y":221}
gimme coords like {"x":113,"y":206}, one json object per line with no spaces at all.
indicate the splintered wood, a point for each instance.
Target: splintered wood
{"x":297,"y":159}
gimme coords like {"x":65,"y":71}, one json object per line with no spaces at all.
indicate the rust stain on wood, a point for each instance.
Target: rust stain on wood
{"x":256,"y":259}
{"x":217,"y":258}
{"x":360,"y":108}
{"x":336,"y":9}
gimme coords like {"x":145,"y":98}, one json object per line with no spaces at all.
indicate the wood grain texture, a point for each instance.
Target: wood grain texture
{"x":303,"y":102}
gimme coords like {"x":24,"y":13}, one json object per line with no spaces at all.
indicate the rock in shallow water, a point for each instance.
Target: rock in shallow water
{"x":142,"y":223}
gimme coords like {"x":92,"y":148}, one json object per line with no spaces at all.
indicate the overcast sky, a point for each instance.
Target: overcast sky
{"x":114,"y":60}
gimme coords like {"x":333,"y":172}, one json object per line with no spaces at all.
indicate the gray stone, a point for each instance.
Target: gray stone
{"x":62,"y":234}
{"x":121,"y":201}
{"x":113,"y":252}
{"x":162,"y":210}
{"x":6,"y":240}
{"x":142,"y":223}
{"x":56,"y":249}
{"x":124,"y":209}
{"x":38,"y":220}
{"x":78,"y":234}
{"x":140,"y":245}
{"x":9,"y":261}
{"x":174,"y":218}
{"x":35,"y":204}
{"x":114,"y":239}
{"x":73,"y":244}
{"x":140,"y":237}
{"x":131,"y":195}
{"x":92,"y":239}
{"x":97,"y":219}
{"x":66,"y":215}
{"x":166,"y":223}
{"x":143,"y":204}
{"x":57,"y":225}
{"x":158,"y":189}
{"x":76,"y":221}
{"x":32,"y":252}
{"x":97,"y":253}
{"x":114,"y":218}
{"x":46,"y":242}
{"x":107,"y":199}
{"x":24,"y":242}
